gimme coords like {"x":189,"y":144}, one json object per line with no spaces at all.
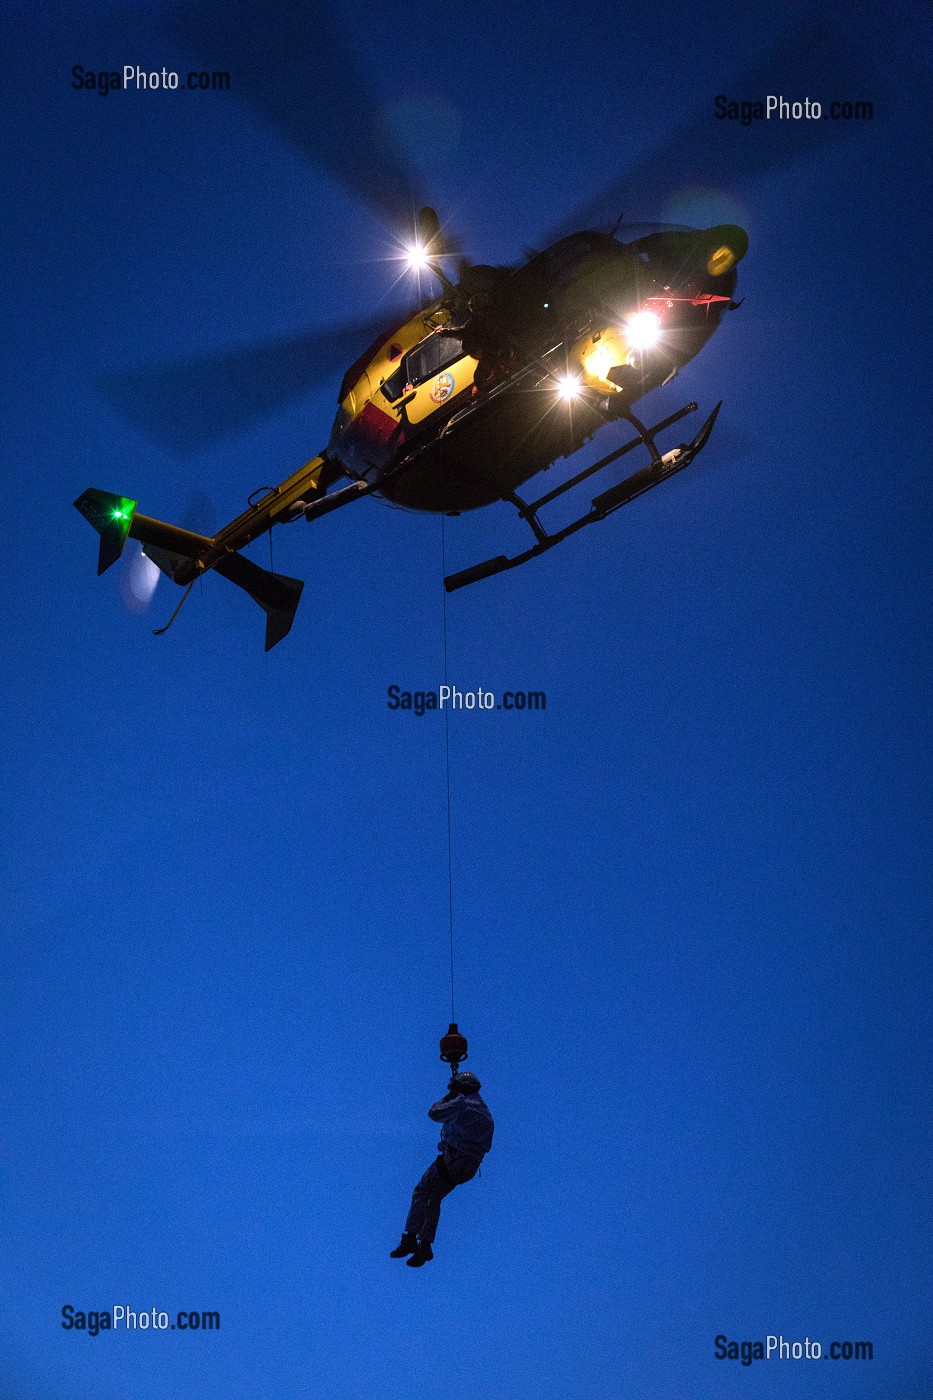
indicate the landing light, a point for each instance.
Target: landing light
{"x":642,"y":330}
{"x":417,"y":257}
{"x":599,"y":361}
{"x":568,"y":386}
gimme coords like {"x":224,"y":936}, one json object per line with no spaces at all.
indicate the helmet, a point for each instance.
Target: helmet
{"x":466,"y":1082}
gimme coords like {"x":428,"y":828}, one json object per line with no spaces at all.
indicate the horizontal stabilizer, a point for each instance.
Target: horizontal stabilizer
{"x":276,"y":594}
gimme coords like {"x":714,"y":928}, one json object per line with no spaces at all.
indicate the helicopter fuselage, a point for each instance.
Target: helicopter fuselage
{"x":457,"y":408}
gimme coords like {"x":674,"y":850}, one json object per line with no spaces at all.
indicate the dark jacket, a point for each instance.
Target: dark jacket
{"x":467,"y":1125}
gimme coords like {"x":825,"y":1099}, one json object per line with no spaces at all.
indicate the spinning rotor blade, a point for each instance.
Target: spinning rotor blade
{"x":277,"y":52}
{"x":138,"y":580}
{"x":291,"y":64}
{"x":187,"y":405}
{"x":432,"y":236}
{"x":200,"y":516}
{"x":428,"y":225}
{"x":140,"y":577}
{"x":705,"y":152}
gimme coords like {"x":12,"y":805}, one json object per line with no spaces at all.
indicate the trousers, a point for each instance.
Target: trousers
{"x":438,"y":1181}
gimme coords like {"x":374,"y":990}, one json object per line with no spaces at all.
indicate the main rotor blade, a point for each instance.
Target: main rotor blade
{"x":704,"y":152}
{"x":200,"y":515}
{"x":288,"y":60}
{"x":188,"y":404}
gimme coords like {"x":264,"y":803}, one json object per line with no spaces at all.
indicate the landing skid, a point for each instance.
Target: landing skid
{"x":659,"y":469}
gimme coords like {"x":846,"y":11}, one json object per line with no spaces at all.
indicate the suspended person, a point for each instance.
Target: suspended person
{"x":466,"y":1136}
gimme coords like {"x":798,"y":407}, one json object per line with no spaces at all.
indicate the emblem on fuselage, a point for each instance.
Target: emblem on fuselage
{"x":442,"y":388}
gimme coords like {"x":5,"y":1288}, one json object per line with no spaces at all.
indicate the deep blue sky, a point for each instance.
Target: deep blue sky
{"x":692,"y":897}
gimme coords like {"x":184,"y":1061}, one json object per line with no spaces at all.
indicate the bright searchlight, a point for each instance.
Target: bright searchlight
{"x":599,"y":361}
{"x":642,"y":330}
{"x":568,"y":386}
{"x":417,"y":258}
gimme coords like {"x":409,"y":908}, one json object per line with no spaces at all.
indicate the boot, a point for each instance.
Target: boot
{"x":420,"y":1255}
{"x":407,"y":1245}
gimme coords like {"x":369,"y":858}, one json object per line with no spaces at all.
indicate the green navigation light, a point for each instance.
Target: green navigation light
{"x":112,"y":518}
{"x":120,"y":509}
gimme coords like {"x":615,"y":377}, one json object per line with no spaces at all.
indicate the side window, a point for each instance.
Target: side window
{"x":426,"y":360}
{"x":394,"y":387}
{"x":431,"y":356}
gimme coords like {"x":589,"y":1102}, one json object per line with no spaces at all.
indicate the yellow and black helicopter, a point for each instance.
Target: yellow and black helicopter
{"x":479,"y":391}
{"x":506,"y":370}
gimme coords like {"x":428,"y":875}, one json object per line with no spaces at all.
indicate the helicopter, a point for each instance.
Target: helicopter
{"x":480,"y":390}
{"x":473,"y":393}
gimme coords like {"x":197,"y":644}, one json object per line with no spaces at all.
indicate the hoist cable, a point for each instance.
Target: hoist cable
{"x":450,"y":876}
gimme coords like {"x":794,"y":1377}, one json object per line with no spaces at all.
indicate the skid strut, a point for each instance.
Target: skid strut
{"x":658,"y":469}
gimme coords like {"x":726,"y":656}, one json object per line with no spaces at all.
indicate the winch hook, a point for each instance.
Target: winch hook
{"x":453,"y":1047}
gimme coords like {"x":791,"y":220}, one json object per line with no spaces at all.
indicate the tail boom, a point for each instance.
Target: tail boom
{"x":183,"y":555}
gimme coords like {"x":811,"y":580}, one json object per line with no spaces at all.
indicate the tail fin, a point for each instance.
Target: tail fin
{"x":111,"y":517}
